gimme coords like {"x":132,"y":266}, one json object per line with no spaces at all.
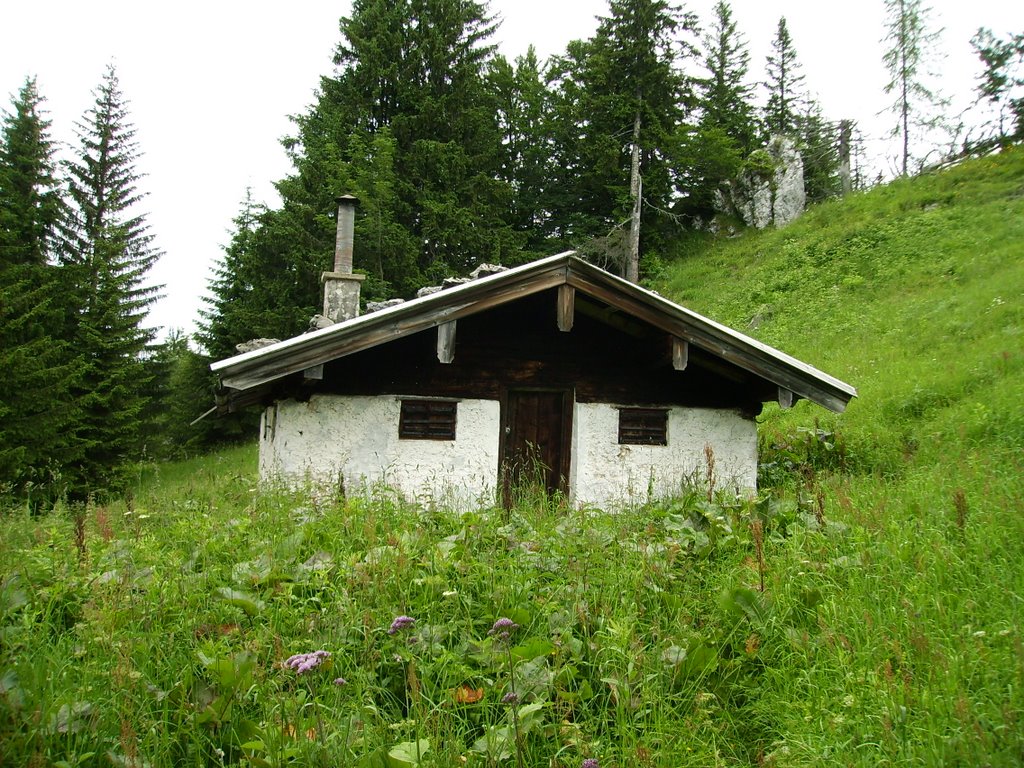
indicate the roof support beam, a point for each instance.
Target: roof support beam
{"x":314,"y":373}
{"x":785,"y":397}
{"x":566,"y":307}
{"x":680,"y":353}
{"x":446,"y":342}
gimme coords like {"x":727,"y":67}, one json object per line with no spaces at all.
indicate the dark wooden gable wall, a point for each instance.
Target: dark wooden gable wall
{"x":606,"y":357}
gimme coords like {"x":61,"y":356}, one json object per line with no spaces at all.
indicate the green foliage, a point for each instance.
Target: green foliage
{"x":713,"y":151}
{"x":407,"y":124}
{"x":623,"y":87}
{"x":785,"y":84}
{"x":1002,"y":80}
{"x":915,"y":104}
{"x":158,"y":631}
{"x":39,"y":370}
{"x":106,"y":253}
{"x":186,"y":604}
{"x":180,"y":389}
{"x":819,"y":150}
{"x":30,"y":203}
{"x":725,"y":99}
{"x":524,"y":107}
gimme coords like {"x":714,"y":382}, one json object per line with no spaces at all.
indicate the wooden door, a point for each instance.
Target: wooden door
{"x":537,"y":428}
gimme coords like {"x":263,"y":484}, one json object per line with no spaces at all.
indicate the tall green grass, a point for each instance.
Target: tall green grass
{"x":889,"y":540}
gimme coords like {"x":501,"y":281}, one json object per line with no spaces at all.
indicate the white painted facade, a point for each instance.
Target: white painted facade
{"x":354,"y":441}
{"x":609,"y":475}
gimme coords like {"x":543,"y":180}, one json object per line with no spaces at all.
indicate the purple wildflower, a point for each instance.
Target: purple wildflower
{"x":400,"y":623}
{"x":502,"y":628}
{"x":304,"y":662}
{"x":340,"y":681}
{"x":510,"y":698}
{"x":590,"y":762}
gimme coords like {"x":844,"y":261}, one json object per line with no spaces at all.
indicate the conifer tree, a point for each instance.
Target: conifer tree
{"x":180,"y":390}
{"x":523,"y":105}
{"x":236,"y":309}
{"x":107,"y":252}
{"x":786,"y":97}
{"x":909,"y":37}
{"x":726,"y":94}
{"x":728,"y":131}
{"x":620,"y":100}
{"x":35,"y":403}
{"x":819,"y":149}
{"x":407,"y":126}
{"x":30,"y":204}
{"x":1002,"y":80}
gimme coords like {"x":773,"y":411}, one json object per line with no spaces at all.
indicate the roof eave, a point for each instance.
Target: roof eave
{"x":275,"y":361}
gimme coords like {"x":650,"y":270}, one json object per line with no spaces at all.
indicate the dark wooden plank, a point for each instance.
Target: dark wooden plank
{"x":680,"y":353}
{"x":374,"y":330}
{"x":785,"y":397}
{"x":705,"y":335}
{"x":520,"y":346}
{"x":446,"y":342}
{"x":566,"y":307}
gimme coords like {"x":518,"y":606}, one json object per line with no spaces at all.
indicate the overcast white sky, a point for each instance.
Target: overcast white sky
{"x":211,"y":84}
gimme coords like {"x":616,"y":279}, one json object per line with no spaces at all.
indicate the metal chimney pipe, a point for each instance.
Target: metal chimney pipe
{"x":345,"y":234}
{"x":341,"y":287}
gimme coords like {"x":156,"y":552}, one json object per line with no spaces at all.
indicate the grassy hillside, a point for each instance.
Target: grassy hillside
{"x":868,"y":611}
{"x":912,"y":292}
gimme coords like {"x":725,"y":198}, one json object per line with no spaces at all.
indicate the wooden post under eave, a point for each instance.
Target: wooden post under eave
{"x":785,"y":397}
{"x":566,"y":307}
{"x":446,"y":342}
{"x":680,"y":353}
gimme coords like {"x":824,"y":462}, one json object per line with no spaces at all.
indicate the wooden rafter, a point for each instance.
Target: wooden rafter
{"x":624,"y":304}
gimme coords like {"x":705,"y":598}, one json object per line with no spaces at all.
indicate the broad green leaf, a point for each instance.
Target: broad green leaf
{"x":11,"y":597}
{"x":251,"y":605}
{"x":530,"y":716}
{"x":71,"y":718}
{"x":532,"y":679}
{"x":497,"y":743}
{"x":229,"y":671}
{"x":533,"y":648}
{"x":741,"y":601}
{"x":408,"y":753}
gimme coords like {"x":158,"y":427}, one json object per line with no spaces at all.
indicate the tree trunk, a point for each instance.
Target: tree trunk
{"x":635,"y":188}
{"x":845,"y":132}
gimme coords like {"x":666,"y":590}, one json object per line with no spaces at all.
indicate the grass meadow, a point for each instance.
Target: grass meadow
{"x":866,"y":609}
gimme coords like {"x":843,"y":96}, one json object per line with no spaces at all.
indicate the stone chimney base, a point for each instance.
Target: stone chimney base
{"x":341,"y":295}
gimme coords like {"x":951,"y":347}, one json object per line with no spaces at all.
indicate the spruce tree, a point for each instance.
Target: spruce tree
{"x":236,"y":308}
{"x":726,"y":94}
{"x":38,"y":372}
{"x":620,"y":99}
{"x":1002,"y":80}
{"x":30,"y":205}
{"x":409,"y":105}
{"x":426,"y":62}
{"x":915,"y":101}
{"x":785,"y":84}
{"x":819,"y":150}
{"x":728,"y":132}
{"x":523,"y":105}
{"x":107,"y":252}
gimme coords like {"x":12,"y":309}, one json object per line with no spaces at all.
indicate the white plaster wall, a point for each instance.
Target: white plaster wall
{"x":356,"y":439}
{"x":609,"y":475}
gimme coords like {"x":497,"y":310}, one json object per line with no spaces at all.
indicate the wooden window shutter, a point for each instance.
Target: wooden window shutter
{"x":427,"y":420}
{"x":643,"y":426}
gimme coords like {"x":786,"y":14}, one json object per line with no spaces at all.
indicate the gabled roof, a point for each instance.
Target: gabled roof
{"x":267,"y":364}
